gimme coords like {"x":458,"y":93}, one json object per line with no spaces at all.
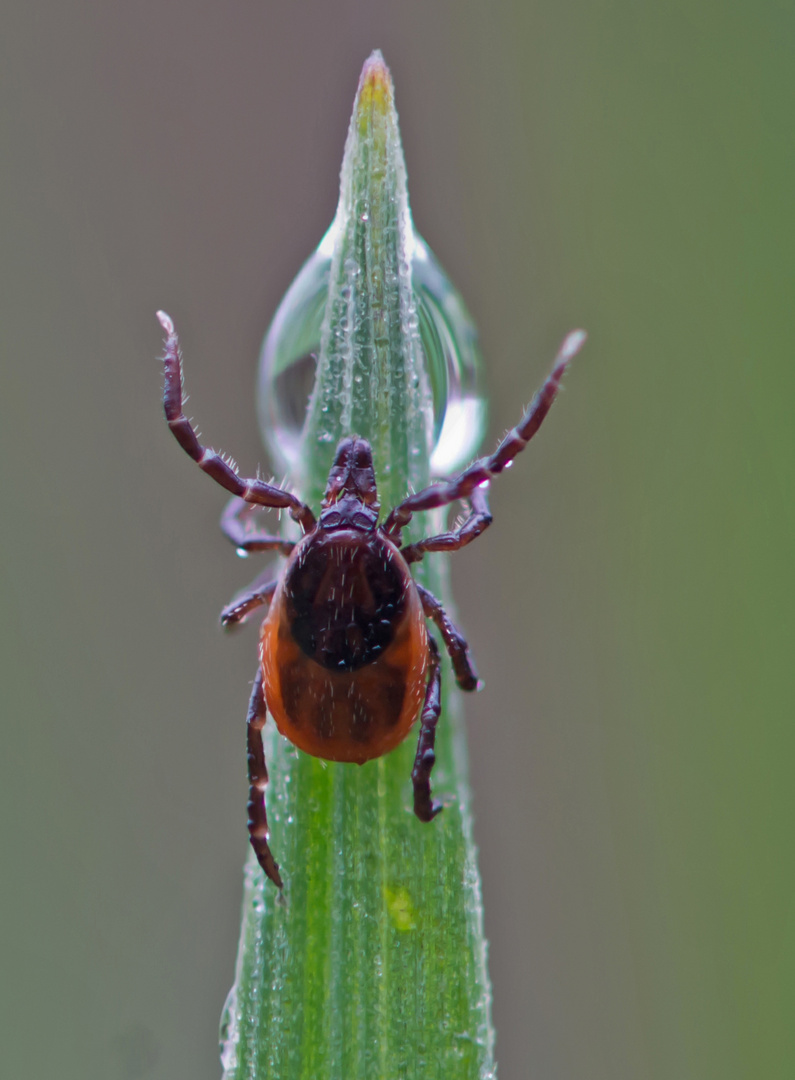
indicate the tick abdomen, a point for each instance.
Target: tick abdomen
{"x":344,"y":647}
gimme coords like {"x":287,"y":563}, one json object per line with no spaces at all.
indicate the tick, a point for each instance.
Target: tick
{"x":346,"y":659}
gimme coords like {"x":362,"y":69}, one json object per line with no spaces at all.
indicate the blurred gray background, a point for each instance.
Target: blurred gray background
{"x":624,"y":167}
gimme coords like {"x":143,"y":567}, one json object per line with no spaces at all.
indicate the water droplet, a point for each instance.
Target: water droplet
{"x":447,"y":335}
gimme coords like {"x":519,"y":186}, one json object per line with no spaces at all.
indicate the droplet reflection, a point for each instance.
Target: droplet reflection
{"x":449,"y":341}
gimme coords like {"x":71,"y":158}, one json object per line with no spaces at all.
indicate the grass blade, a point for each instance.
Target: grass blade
{"x":373,"y":963}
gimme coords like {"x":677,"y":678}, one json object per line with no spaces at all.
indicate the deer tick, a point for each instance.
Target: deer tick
{"x":346,"y":660}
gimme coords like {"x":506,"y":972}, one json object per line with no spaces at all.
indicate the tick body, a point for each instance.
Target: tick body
{"x":346,"y":659}
{"x":344,"y":648}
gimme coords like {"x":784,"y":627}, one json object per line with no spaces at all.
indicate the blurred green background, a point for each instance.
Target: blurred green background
{"x":626,"y":167}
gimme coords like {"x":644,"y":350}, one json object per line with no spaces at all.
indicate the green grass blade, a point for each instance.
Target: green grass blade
{"x":372,"y":966}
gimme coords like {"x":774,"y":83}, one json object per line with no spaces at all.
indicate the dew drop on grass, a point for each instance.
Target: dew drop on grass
{"x":289,"y":358}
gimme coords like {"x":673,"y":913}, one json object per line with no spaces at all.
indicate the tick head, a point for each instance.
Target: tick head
{"x":351,"y":497}
{"x":352,"y":474}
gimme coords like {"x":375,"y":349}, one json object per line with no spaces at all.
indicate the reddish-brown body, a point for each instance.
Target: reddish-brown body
{"x":344,"y":649}
{"x":346,"y":661}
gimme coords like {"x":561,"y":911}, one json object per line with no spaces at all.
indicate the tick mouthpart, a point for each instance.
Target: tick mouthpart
{"x":352,"y":474}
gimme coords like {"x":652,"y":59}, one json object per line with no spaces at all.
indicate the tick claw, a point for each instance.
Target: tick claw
{"x":166,"y":322}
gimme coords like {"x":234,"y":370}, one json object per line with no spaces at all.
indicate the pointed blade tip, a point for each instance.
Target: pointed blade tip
{"x":375,"y":82}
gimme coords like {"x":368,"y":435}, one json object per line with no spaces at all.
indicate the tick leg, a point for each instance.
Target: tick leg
{"x":454,"y":641}
{"x":257,"y":782}
{"x":462,"y":486}
{"x":246,"y":539}
{"x":251,"y":491}
{"x":479,"y":519}
{"x":259,"y":592}
{"x":424,"y":806}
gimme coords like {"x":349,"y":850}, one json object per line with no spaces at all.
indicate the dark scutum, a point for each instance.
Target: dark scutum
{"x":345,"y":598}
